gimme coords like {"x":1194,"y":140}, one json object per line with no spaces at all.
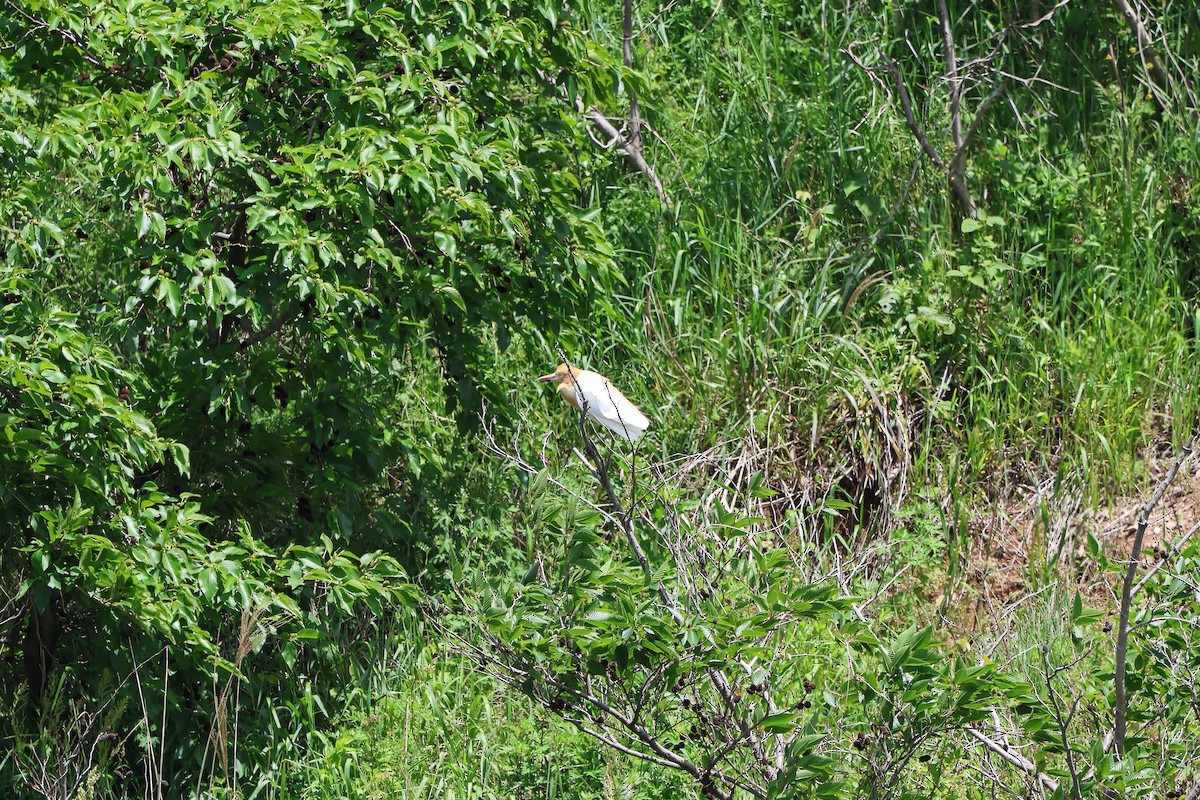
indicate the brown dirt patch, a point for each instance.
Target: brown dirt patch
{"x":1012,"y":541}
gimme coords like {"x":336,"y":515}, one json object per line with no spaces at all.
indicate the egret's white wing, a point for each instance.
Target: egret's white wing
{"x":606,"y":405}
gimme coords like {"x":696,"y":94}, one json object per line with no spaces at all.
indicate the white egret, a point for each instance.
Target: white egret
{"x":602,"y":402}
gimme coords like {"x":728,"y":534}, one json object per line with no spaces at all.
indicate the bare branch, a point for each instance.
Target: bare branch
{"x":1016,"y":759}
{"x":997,"y":90}
{"x":1145,"y":45}
{"x":648,"y":738}
{"x":632,"y":149}
{"x":617,"y":745}
{"x":960,"y":76}
{"x":67,"y":35}
{"x":251,"y":339}
{"x":1045,"y":17}
{"x":956,"y":172}
{"x":630,"y":145}
{"x":1166,"y":559}
{"x":1122,"y":699}
{"x":952,"y":76}
{"x":635,"y":116}
{"x":1056,"y":710}
{"x":909,"y":116}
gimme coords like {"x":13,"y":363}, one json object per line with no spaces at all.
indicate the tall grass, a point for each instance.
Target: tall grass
{"x":806,"y":280}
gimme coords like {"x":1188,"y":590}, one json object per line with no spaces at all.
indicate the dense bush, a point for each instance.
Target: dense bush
{"x":231,"y":232}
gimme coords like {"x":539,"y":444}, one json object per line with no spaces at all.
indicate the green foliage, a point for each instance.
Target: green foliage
{"x":436,"y":704}
{"x":99,"y":556}
{"x":913,"y":700}
{"x":720,"y":659}
{"x":809,"y":216}
{"x":252,"y":261}
{"x":922,"y":540}
{"x":816,"y":314}
{"x":695,"y":664}
{"x":264,"y":263}
{"x":230,"y":231}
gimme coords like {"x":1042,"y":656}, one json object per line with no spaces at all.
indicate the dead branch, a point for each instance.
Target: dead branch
{"x":952,"y":77}
{"x":1122,"y":700}
{"x":632,"y":149}
{"x":635,"y":116}
{"x":630,"y":145}
{"x":957,"y":171}
{"x":959,"y":77}
{"x":629,"y":137}
{"x":909,"y":117}
{"x":1150,"y":60}
{"x":1016,"y":759}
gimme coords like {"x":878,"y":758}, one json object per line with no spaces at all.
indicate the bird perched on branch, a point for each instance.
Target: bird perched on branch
{"x":602,"y":402}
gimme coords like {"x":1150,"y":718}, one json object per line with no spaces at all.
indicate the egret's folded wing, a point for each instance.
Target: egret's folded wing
{"x":624,"y":427}
{"x":609,"y":407}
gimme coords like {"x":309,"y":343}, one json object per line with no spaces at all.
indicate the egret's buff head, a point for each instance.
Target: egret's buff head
{"x":564,"y":374}
{"x":565,"y":377}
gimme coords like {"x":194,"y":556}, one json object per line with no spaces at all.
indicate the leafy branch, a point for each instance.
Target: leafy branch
{"x":708,"y":686}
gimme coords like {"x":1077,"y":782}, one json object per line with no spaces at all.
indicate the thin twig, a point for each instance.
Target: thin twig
{"x":1049,"y":674}
{"x":1166,"y":559}
{"x":858,"y":609}
{"x":63,"y":33}
{"x":909,"y":117}
{"x":632,"y":150}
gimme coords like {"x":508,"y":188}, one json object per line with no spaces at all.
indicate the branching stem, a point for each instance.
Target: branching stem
{"x":1120,"y":721}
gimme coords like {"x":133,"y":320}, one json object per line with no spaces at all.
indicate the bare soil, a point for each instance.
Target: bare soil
{"x":1011,"y":539}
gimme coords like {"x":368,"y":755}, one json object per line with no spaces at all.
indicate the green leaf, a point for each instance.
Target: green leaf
{"x":455,"y":297}
{"x":173,"y":298}
{"x":51,"y":375}
{"x":209,"y":583}
{"x":784,"y":722}
{"x":446,"y":243}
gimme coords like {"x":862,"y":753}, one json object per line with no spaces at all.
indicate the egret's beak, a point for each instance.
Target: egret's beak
{"x":553,"y":376}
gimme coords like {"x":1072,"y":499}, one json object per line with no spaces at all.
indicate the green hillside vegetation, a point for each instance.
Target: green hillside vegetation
{"x":909,"y":292}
